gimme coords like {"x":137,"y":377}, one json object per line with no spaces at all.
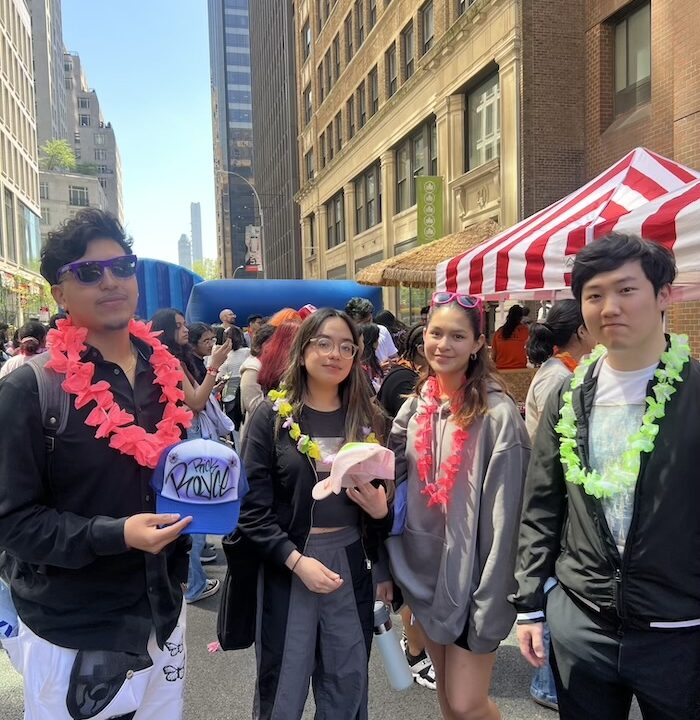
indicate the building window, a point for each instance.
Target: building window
{"x":78,"y":196}
{"x":360,"y":21}
{"x":319,"y":18}
{"x":407,"y":48}
{"x":368,"y":199}
{"x":415,"y":155}
{"x":45,"y":216}
{"x":362,"y":103}
{"x":339,"y":131}
{"x":306,"y":40}
{"x":329,"y":71}
{"x":99,"y":139}
{"x":308,"y":104}
{"x":427,"y":26}
{"x":312,"y":235}
{"x":321,"y":93}
{"x":336,"y":220}
{"x":84,"y":103}
{"x":351,"y":117}
{"x":373,"y":90}
{"x":462,"y":5}
{"x":392,"y":78}
{"x":84,"y":120}
{"x":100,"y":154}
{"x":372,"y":13}
{"x":329,"y":138}
{"x":633,"y":59}
{"x":349,"y":45}
{"x":43,"y":191}
{"x":337,"y":273}
{"x":102,"y":169}
{"x":336,"y":56}
{"x":309,"y":164}
{"x":484,"y":122}
{"x":322,"y":144}
{"x":103,"y":183}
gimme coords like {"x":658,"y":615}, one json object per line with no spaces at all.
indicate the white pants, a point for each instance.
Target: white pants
{"x":156,"y":693}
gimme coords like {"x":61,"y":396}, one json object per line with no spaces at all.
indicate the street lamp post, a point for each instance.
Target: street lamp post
{"x":260,"y":212}
{"x":240,"y":267}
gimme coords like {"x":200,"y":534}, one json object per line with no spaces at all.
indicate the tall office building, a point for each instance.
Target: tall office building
{"x":229,"y":50}
{"x":92,"y":138}
{"x":184,"y":252}
{"x":196,"y":230}
{"x":49,"y":81}
{"x":21,"y":287}
{"x":275,"y":134}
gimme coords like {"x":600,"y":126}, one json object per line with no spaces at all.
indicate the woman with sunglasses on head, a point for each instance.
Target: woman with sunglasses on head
{"x":315,"y":607}
{"x":461,"y":456}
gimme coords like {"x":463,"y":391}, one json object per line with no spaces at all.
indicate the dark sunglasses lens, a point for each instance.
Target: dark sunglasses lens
{"x":468,"y":301}
{"x":89,"y":273}
{"x":442,"y":297}
{"x":124,"y":267}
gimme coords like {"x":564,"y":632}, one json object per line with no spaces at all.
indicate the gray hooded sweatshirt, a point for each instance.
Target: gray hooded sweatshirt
{"x":456,"y":570}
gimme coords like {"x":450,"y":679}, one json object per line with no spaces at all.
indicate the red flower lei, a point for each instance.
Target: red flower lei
{"x":66,"y":345}
{"x":438,"y":492}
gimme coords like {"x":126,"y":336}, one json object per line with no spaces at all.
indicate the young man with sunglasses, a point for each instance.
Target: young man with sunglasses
{"x":97,"y":575}
{"x":611,"y":503}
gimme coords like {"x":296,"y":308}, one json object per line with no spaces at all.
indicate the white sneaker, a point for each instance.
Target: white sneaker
{"x":421,"y":667}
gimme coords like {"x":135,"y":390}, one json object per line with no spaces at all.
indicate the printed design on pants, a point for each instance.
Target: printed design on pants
{"x":173,"y":673}
{"x":174,"y":648}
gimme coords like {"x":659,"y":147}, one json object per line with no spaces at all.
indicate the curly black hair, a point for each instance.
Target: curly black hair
{"x":70,"y":240}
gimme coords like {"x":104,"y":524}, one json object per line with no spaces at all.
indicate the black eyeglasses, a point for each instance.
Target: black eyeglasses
{"x":325,"y":346}
{"x":90,"y":272}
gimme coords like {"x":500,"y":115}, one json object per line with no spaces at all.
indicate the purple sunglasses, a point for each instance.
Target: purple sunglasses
{"x":466,"y":301}
{"x":90,"y":272}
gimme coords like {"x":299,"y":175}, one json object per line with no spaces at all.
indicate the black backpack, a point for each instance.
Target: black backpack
{"x":53,"y":400}
{"x":235,"y":409}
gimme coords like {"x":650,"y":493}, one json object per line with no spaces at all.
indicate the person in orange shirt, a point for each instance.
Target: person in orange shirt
{"x":508,"y":348}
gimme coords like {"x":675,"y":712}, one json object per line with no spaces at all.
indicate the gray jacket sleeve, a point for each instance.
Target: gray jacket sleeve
{"x":491,"y":616}
{"x":544,"y":511}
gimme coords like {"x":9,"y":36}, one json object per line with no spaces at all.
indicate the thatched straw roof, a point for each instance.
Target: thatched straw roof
{"x":416,"y":267}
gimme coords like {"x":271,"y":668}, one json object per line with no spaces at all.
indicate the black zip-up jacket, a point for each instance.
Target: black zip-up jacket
{"x":276,"y":512}
{"x":564,"y":532}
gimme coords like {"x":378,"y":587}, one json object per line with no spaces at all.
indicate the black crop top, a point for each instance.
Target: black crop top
{"x":328,"y":430}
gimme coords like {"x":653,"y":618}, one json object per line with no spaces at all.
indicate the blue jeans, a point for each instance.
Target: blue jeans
{"x":542,"y":686}
{"x":196,"y":577}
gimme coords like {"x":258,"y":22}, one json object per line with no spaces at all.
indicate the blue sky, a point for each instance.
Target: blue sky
{"x":148,"y":60}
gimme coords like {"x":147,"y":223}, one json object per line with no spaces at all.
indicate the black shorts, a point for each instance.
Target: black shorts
{"x":463,"y":642}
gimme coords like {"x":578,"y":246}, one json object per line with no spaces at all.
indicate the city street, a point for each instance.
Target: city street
{"x":220,"y":686}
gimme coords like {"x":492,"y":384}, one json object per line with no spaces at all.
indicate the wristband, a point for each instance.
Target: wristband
{"x":212,"y":371}
{"x":296,"y":562}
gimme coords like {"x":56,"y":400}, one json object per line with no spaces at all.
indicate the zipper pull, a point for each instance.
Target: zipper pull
{"x":368,"y":563}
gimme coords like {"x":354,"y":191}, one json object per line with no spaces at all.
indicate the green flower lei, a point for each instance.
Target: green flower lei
{"x":623,"y":474}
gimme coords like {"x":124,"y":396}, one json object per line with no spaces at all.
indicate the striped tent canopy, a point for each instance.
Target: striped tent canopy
{"x":533,"y":259}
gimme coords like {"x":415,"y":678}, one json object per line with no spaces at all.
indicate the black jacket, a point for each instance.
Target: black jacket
{"x":564,"y":532}
{"x":276,"y":512}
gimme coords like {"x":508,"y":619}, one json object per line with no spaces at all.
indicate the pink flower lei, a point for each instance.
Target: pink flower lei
{"x":66,"y":345}
{"x":438,"y":492}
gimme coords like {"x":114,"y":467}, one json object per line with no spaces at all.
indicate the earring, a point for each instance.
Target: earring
{"x":473,"y":356}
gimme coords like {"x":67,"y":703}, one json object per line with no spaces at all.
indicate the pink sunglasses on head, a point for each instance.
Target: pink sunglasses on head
{"x":466,"y":301}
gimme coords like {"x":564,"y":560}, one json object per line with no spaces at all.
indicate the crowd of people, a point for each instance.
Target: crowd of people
{"x":579,"y":521}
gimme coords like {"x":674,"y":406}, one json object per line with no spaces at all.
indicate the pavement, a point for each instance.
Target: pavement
{"x":220,"y":686}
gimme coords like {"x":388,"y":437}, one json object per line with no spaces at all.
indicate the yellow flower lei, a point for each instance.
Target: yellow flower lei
{"x":305,"y":444}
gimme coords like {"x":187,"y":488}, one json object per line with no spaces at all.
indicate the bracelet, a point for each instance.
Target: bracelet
{"x":296,"y":562}
{"x":212,"y":371}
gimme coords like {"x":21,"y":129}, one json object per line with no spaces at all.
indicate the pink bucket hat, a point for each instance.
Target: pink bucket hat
{"x":356,"y":463}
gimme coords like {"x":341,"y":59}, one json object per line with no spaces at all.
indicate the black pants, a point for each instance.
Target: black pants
{"x":598,"y":667}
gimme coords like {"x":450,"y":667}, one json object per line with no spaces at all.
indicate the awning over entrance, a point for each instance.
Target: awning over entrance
{"x":534,"y":257}
{"x":416,"y":267}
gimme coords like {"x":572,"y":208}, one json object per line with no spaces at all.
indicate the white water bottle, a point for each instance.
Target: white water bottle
{"x":395,"y":663}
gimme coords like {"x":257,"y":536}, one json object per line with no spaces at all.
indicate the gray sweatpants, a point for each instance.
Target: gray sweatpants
{"x":303,"y":636}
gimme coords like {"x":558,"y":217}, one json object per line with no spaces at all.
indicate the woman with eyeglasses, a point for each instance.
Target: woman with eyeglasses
{"x":201,"y":343}
{"x":315,"y":607}
{"x":461,"y":456}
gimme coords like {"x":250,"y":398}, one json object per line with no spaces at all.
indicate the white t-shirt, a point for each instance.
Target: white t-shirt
{"x":618,"y":408}
{"x":550,"y":375}
{"x":13,"y":363}
{"x":385,"y":346}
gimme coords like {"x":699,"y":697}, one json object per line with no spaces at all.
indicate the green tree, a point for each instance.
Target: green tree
{"x":207,"y":268}
{"x":86,"y":168}
{"x":57,"y":155}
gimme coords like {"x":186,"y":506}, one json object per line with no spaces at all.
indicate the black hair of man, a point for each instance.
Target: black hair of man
{"x":425,"y":310}
{"x":614,"y":250}
{"x":359,"y":309}
{"x":253,"y":318}
{"x":70,"y":240}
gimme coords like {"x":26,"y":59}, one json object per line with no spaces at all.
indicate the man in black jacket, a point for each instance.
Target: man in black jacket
{"x":611,"y":503}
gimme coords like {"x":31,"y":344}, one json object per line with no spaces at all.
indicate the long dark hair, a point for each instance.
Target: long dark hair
{"x":414,"y":341}
{"x":479,"y":375}
{"x":370,"y":336}
{"x":165,"y":320}
{"x":562,"y":323}
{"x":354,"y":393}
{"x":513,"y":320}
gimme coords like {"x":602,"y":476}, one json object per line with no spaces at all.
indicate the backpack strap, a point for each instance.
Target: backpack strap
{"x":53,"y":400}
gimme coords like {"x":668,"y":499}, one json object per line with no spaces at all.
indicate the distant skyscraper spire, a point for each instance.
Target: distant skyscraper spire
{"x":196,"y":231}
